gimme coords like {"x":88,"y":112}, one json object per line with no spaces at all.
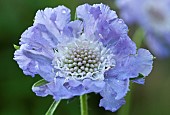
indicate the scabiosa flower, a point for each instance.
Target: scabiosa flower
{"x":90,"y":54}
{"x":154,"y":17}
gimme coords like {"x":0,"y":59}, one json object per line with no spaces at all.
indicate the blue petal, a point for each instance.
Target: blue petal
{"x":108,"y":101}
{"x":83,"y":12}
{"x":42,"y":90}
{"x":55,"y":88}
{"x":100,"y":21}
{"x":60,"y":88}
{"x":106,"y":13}
{"x":120,"y":87}
{"x":133,"y":65}
{"x":73,"y":29}
{"x":97,"y":11}
{"x":39,"y":36}
{"x":92,"y":15}
{"x":34,"y":62}
{"x":58,"y":16}
{"x":36,"y":52}
{"x":85,"y":86}
{"x":123,"y":47}
{"x":93,"y":86}
{"x":53,"y":19}
{"x":26,"y":64}
{"x":141,"y":63}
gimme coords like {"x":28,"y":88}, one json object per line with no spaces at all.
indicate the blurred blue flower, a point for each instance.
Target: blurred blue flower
{"x":90,"y":54}
{"x":154,"y":17}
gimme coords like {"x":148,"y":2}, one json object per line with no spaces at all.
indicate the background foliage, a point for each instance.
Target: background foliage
{"x":16,"y":97}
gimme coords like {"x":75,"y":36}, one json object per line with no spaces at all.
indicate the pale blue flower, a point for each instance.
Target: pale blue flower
{"x":154,"y":17}
{"x":90,"y":54}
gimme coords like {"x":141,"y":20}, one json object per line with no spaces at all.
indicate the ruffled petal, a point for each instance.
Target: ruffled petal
{"x":133,"y":65}
{"x":55,"y":88}
{"x":25,"y":63}
{"x":85,"y":86}
{"x":60,"y":88}
{"x":97,"y":11}
{"x":141,"y":63}
{"x":73,"y":29}
{"x":93,"y":86}
{"x":92,"y":15}
{"x":42,"y":90}
{"x":105,"y":12}
{"x":39,"y":36}
{"x":108,"y":101}
{"x":100,"y":21}
{"x":110,"y":33}
{"x":54,"y":19}
{"x":123,"y":47}
{"x":83,"y":12}
{"x":120,"y":87}
{"x":34,"y":62}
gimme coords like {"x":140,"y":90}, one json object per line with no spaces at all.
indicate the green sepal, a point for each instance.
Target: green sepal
{"x":40,"y":83}
{"x":16,"y":47}
{"x":75,"y":16}
{"x":139,"y":77}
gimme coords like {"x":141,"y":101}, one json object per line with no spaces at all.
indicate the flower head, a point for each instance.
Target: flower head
{"x":154,"y":17}
{"x":90,"y":54}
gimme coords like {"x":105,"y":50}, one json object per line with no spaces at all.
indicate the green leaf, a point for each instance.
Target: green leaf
{"x":16,"y":47}
{"x":40,"y":83}
{"x":139,"y":77}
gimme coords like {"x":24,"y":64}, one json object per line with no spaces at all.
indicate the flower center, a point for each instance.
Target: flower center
{"x":83,"y":58}
{"x":81,"y":61}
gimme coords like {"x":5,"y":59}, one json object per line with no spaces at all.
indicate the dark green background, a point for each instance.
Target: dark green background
{"x":16,"y":97}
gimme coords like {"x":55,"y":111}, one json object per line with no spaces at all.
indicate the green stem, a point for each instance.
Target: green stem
{"x":84,"y":106}
{"x":52,"y":108}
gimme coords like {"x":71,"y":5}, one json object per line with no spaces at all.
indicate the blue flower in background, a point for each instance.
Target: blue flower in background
{"x":90,"y":54}
{"x":154,"y":17}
